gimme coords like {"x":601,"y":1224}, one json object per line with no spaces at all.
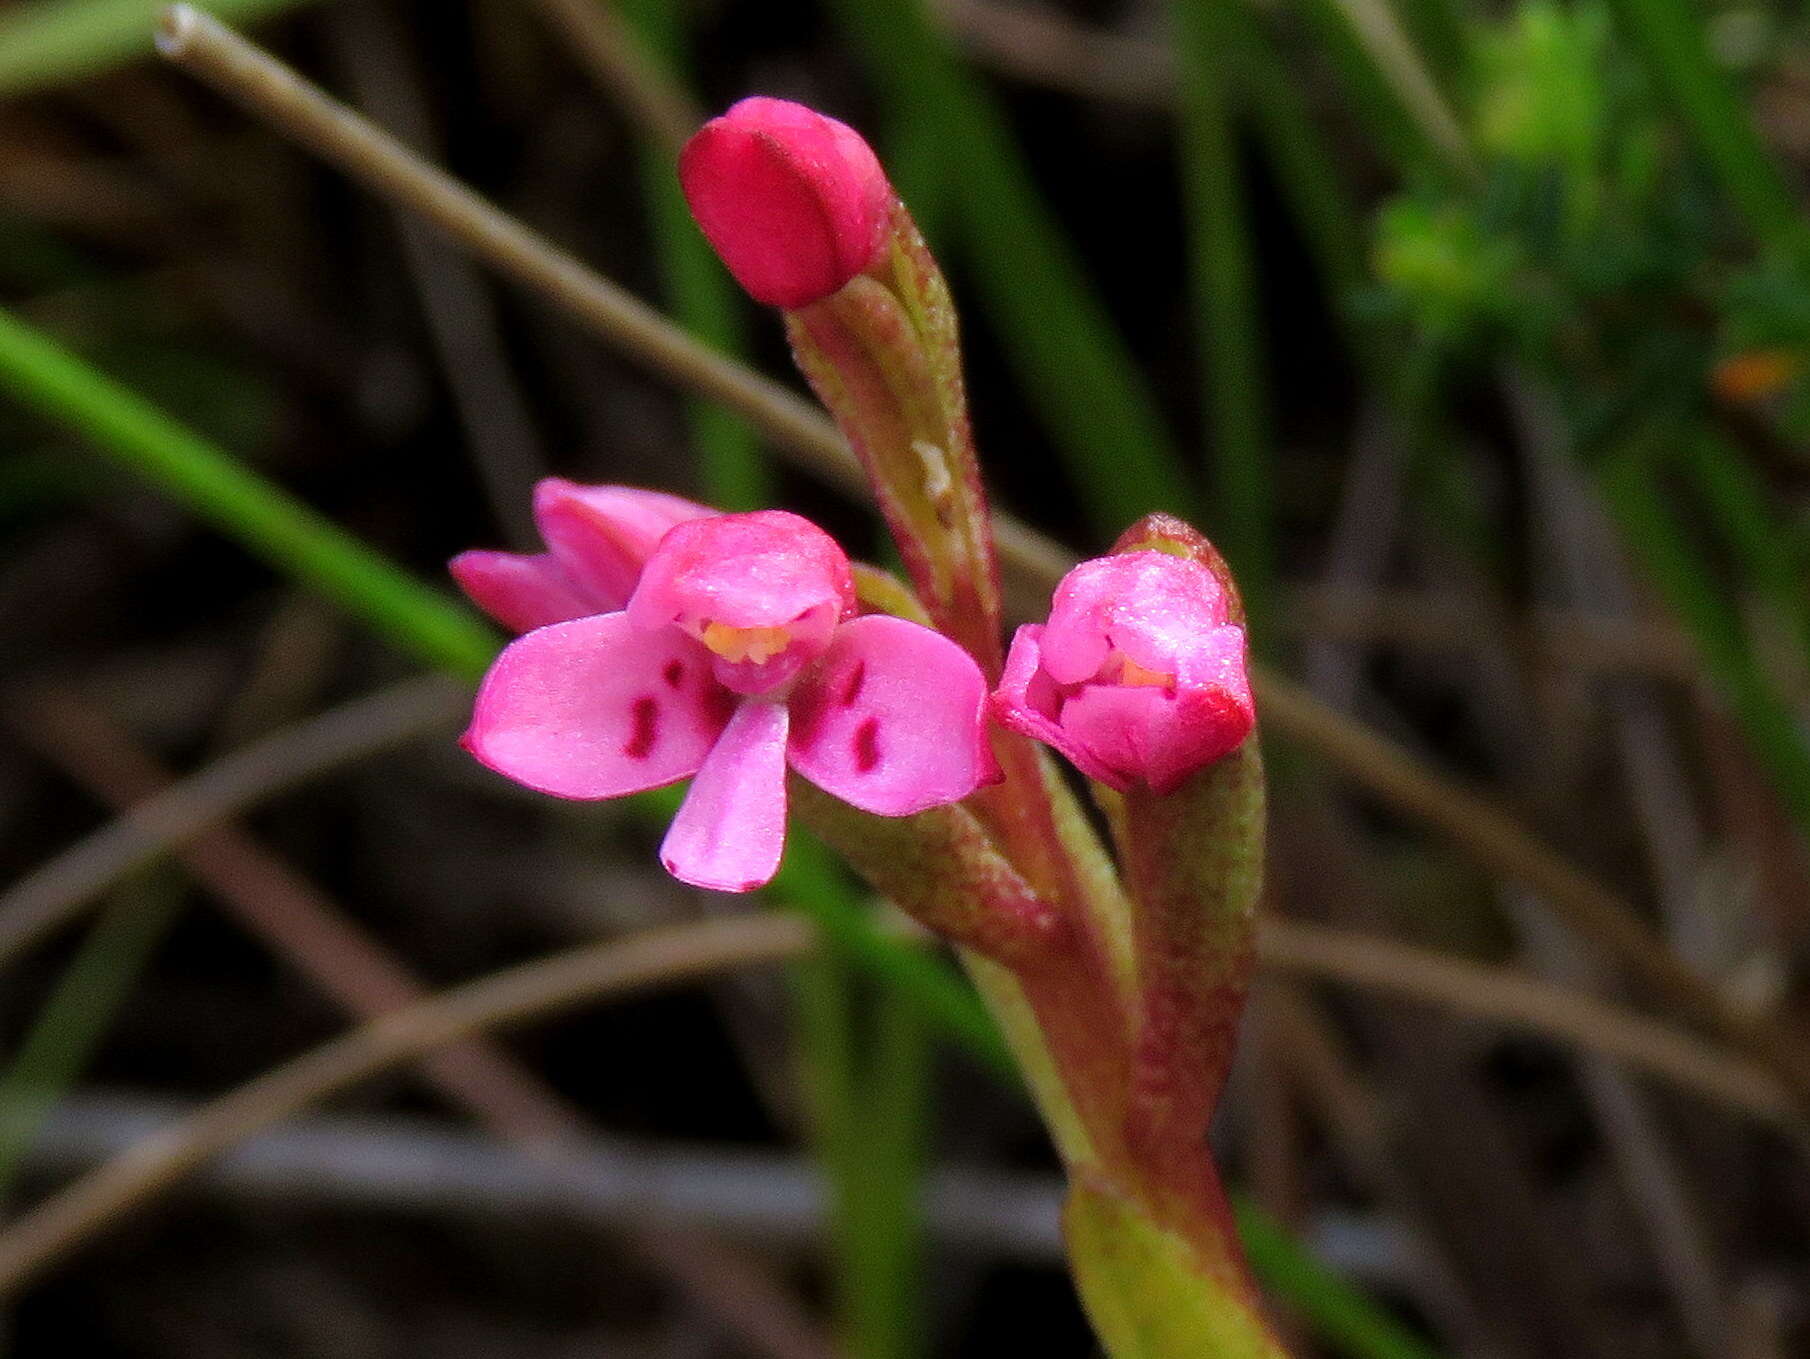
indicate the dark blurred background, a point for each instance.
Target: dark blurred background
{"x":1477,"y":334}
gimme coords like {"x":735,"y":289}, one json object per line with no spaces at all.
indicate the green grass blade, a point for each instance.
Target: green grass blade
{"x":72,"y":1023}
{"x":1671,"y":33}
{"x":1095,"y":405}
{"x":872,"y":1113}
{"x":267,"y":521}
{"x":823,"y":1035}
{"x":1394,"y":93}
{"x":1339,"y":1312}
{"x":1309,"y":176}
{"x":893,"y":1122}
{"x":1737,"y":502}
{"x":1437,"y":30}
{"x":1689,"y":586}
{"x":810,"y":882}
{"x":700,"y":294}
{"x":50,"y":42}
{"x":1227,"y":325}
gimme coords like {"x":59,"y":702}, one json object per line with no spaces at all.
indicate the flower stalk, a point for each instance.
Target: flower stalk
{"x":662,"y":641}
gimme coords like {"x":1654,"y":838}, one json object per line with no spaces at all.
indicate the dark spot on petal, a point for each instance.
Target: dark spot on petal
{"x":867,"y":745}
{"x":674,"y":673}
{"x":851,"y":687}
{"x":644,"y":729}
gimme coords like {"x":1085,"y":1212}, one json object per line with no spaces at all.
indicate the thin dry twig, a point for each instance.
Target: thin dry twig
{"x":462,"y":321}
{"x":1519,"y":1001}
{"x":1497,"y":841}
{"x":308,"y":929}
{"x":268,"y":89}
{"x":1047,"y":48}
{"x":657,"y":958}
{"x":1358,"y":1127}
{"x":1585,"y":570}
{"x":1588,"y":642}
{"x":682,"y":953}
{"x":159,"y":823}
{"x":49,"y":896}
{"x":619,"y":65}
{"x":413,"y":1164}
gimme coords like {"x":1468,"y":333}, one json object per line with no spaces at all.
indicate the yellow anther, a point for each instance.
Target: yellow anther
{"x":758,"y":645}
{"x":1121,"y":669}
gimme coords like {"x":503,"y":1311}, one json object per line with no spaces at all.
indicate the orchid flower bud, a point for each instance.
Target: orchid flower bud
{"x":795,"y":202}
{"x":1139,"y":674}
{"x":736,"y":656}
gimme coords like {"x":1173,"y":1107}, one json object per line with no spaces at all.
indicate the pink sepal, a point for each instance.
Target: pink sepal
{"x":521,"y":592}
{"x":1137,"y":676}
{"x":603,"y":535}
{"x":1029,"y":702}
{"x":598,"y":537}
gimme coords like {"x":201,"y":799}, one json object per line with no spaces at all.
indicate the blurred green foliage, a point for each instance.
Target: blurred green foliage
{"x":1603,"y":258}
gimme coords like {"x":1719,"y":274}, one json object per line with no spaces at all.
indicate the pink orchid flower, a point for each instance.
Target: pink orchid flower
{"x":598,"y":538}
{"x":1137,"y":676}
{"x":795,"y":202}
{"x":738,"y":653}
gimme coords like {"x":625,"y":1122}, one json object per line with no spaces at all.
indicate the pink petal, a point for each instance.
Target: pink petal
{"x":1029,"y":703}
{"x":763,"y":569}
{"x":596,"y":708}
{"x":730,"y":832}
{"x":767,"y":569}
{"x":1152,"y":607}
{"x":603,"y":535}
{"x":794,"y":202}
{"x":520,"y":592}
{"x":1111,"y":731}
{"x":890,"y":719}
{"x":1215,"y":710}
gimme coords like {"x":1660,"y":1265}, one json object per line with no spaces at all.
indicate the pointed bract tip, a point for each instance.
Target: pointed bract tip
{"x":1159,"y":532}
